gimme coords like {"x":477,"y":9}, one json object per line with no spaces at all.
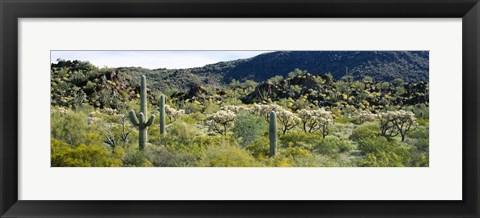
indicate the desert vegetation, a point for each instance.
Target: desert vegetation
{"x":112,"y":117}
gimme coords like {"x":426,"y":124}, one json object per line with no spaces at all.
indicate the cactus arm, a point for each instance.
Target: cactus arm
{"x":273,"y":133}
{"x":133,"y":118}
{"x":150,"y":121}
{"x":142,"y":118}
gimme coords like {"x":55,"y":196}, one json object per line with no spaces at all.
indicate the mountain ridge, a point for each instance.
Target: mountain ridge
{"x":410,"y":66}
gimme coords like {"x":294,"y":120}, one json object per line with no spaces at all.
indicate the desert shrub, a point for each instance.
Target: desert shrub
{"x":374,"y":144}
{"x":421,"y":160}
{"x":248,"y":128}
{"x":209,"y":141}
{"x":422,"y":122}
{"x":297,"y":156}
{"x":419,"y":138}
{"x":295,"y":152}
{"x":180,"y":134}
{"x":367,"y":130}
{"x":260,"y":148}
{"x":190,"y":119}
{"x":380,"y":152}
{"x":168,"y":157}
{"x":300,"y":139}
{"x":197,"y":116}
{"x":279,"y":161}
{"x":228,"y":156}
{"x":72,"y":128}
{"x":422,"y":145}
{"x":210,"y":107}
{"x":332,"y":145}
{"x":419,"y":132}
{"x":342,"y":130}
{"x":64,"y":155}
{"x":192,"y":107}
{"x":396,"y":157}
{"x":136,"y":158}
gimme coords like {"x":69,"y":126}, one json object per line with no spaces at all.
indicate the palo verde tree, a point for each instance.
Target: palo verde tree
{"x":142,"y":123}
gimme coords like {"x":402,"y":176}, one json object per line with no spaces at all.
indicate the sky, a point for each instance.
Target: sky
{"x":152,"y":59}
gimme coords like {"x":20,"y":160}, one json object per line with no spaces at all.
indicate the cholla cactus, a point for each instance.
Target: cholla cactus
{"x":313,"y":120}
{"x":387,"y":127}
{"x":393,"y":123}
{"x":173,"y":114}
{"x":142,"y":123}
{"x":366,"y":116}
{"x":234,"y":108}
{"x":288,"y":119}
{"x":222,"y":118}
{"x":264,"y":110}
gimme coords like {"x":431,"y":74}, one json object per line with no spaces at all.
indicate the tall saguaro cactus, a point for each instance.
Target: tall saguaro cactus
{"x":273,"y":133}
{"x":162,"y":115}
{"x":142,"y":123}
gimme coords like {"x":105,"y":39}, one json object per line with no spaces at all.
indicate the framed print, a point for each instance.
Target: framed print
{"x":226,"y":108}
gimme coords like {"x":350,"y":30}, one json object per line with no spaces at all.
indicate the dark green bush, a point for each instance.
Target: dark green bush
{"x":367,"y":130}
{"x":259,"y":148}
{"x":332,"y":145}
{"x":248,"y":128}
{"x":136,"y":158}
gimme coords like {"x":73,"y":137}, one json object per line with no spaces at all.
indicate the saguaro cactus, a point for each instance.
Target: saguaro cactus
{"x":162,"y":114}
{"x":273,"y":133}
{"x":142,"y":123}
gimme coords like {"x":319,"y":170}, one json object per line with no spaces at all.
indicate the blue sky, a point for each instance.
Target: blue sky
{"x":152,"y":59}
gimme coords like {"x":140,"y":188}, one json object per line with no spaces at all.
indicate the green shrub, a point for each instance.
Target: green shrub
{"x":168,"y":157}
{"x":342,"y":130}
{"x":279,"y":161}
{"x":136,"y":158}
{"x":332,"y":145}
{"x":248,"y":128}
{"x":396,"y":157}
{"x":180,"y":134}
{"x":209,"y":141}
{"x":380,"y":152}
{"x":419,"y":138}
{"x":301,"y":139}
{"x":259,"y":148}
{"x":210,"y":107}
{"x":229,"y":156}
{"x":299,"y":157}
{"x":367,"y":130}
{"x":72,"y":128}
{"x":64,"y":155}
{"x":374,"y":144}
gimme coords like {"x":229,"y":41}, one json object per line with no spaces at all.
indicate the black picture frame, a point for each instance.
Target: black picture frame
{"x":12,"y":10}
